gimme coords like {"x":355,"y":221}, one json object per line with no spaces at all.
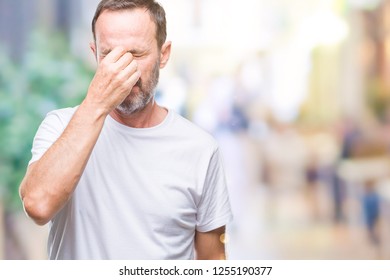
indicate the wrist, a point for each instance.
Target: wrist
{"x":92,"y":110}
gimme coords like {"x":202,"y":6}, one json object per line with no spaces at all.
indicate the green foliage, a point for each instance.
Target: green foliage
{"x":48,"y":77}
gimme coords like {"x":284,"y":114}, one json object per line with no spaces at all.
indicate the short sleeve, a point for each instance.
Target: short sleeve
{"x":48,"y":132}
{"x":214,"y":209}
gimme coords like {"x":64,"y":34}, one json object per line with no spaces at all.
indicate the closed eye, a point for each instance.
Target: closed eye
{"x":137,"y":53}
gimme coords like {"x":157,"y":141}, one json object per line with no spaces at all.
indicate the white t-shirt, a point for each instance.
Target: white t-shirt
{"x":143,"y":194}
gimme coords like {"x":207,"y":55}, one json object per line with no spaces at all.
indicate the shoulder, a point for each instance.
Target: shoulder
{"x":193,"y":133}
{"x":60,"y":116}
{"x":63,"y":113}
{"x":56,"y":121}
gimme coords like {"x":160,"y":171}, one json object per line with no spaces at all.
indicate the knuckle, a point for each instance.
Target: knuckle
{"x":124,"y":86}
{"x":118,"y":80}
{"x":112,"y":69}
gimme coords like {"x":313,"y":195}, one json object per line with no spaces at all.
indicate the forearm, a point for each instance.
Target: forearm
{"x":210,"y":245}
{"x":50,"y":182}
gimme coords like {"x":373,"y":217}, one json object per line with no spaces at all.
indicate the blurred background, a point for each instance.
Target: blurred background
{"x":297,"y":93}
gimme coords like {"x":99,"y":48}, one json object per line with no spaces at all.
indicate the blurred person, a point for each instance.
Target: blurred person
{"x":120,"y":177}
{"x":371,"y":209}
{"x":350,"y":135}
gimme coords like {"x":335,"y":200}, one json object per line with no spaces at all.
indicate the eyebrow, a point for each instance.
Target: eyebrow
{"x":105,"y":51}
{"x":132,"y":51}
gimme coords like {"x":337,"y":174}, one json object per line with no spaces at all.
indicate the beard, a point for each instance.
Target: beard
{"x":137,"y":101}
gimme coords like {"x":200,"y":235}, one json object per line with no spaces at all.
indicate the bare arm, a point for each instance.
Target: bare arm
{"x":210,"y":245}
{"x":50,"y":181}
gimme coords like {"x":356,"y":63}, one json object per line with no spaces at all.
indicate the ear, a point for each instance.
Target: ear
{"x":93,"y":48}
{"x":165,"y":53}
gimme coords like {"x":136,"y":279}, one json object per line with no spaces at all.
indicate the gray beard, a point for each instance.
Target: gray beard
{"x":146,"y":94}
{"x":130,"y":107}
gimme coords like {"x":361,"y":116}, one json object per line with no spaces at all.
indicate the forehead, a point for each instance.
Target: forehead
{"x":127,"y":27}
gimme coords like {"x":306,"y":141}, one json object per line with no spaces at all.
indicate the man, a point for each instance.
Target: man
{"x":120,"y":177}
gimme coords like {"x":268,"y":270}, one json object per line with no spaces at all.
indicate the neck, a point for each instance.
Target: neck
{"x":149,"y":116}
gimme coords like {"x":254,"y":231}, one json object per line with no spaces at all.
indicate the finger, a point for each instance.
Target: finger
{"x":130,"y":69}
{"x":125,"y":60}
{"x":115,"y":54}
{"x":125,"y":87}
{"x":128,"y":74}
{"x":134,"y":78}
